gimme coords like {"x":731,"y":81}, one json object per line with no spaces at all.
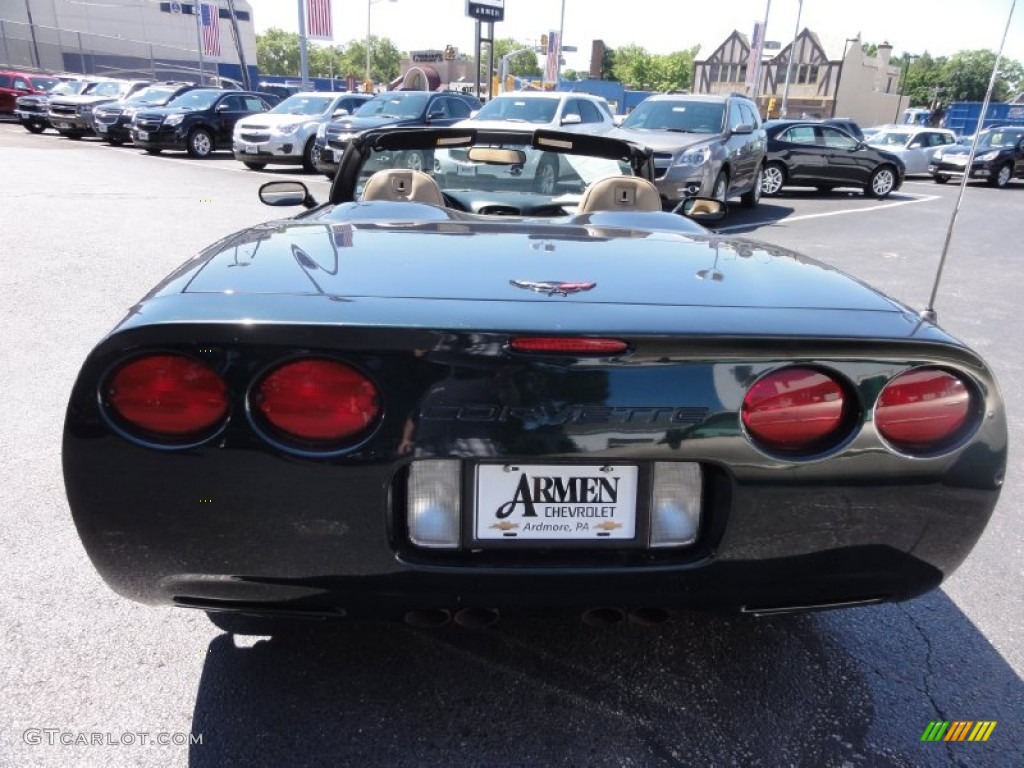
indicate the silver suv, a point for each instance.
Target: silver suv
{"x":708,"y":145}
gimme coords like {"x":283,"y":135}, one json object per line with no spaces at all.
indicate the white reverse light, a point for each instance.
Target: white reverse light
{"x":434,"y":507}
{"x":675,"y":504}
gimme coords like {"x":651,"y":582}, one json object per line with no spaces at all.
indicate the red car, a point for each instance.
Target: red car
{"x":15,"y":84}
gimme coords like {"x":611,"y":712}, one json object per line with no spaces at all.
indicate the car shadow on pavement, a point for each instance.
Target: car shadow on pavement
{"x":856,"y":687}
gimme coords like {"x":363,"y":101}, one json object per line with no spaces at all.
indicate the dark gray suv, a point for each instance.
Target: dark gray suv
{"x":708,"y":145}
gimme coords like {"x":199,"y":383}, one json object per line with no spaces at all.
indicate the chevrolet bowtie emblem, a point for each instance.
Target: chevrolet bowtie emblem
{"x":552,"y":287}
{"x":608,"y":526}
{"x":505,"y":525}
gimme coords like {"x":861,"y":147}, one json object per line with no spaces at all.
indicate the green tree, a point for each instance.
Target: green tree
{"x":635,"y":68}
{"x":385,"y":59}
{"x":966,"y":75}
{"x":523,"y":64}
{"x":277,"y":52}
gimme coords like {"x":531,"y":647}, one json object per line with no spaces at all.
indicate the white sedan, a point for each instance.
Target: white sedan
{"x":914,"y":145}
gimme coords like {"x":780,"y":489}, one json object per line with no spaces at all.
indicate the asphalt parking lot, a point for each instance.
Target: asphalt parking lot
{"x":90,"y":679}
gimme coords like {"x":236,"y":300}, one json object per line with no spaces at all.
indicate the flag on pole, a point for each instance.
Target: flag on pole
{"x":318,"y":20}
{"x":211,"y":29}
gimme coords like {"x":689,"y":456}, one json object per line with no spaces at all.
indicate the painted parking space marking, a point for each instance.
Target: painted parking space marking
{"x":842,"y":212}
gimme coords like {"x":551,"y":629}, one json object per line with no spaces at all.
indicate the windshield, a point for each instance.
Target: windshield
{"x":519,"y":109}
{"x":682,"y":116}
{"x":394,"y":105}
{"x":890,"y":138}
{"x":44,"y":83}
{"x":153,"y":95}
{"x":196,"y":100}
{"x":999,"y":138}
{"x":107,"y":89}
{"x":304,"y":105}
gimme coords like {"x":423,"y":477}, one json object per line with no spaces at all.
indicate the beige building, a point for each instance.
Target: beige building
{"x":134,"y":38}
{"x":826,"y":78}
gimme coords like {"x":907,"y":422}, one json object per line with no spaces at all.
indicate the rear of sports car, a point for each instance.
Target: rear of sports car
{"x":344,"y":428}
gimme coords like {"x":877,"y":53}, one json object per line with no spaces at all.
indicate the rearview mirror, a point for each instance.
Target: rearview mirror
{"x":286,"y":193}
{"x":702,"y":208}
{"x":496,"y":156}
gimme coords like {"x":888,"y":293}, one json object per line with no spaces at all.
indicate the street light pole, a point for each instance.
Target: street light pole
{"x":908,"y":57}
{"x":369,"y":4}
{"x":789,"y":62}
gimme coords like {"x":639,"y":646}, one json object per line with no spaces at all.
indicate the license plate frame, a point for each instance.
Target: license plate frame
{"x":100,"y":128}
{"x":251,"y":149}
{"x":524,"y":505}
{"x":143,"y":135}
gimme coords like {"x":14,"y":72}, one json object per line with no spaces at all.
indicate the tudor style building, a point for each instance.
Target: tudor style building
{"x":826,"y":79}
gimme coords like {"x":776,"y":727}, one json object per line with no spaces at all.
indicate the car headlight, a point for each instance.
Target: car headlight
{"x":174,"y":119}
{"x":695,"y":156}
{"x":991,"y":155}
{"x":284,"y":130}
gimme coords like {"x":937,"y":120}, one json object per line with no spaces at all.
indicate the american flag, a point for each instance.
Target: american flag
{"x":211,"y":29}
{"x":318,"y":19}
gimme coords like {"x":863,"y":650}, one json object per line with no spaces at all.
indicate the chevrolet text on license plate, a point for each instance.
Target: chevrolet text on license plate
{"x":555,"y":501}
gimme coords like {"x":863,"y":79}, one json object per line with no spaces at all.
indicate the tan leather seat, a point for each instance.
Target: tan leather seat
{"x":620,"y":193}
{"x":403,"y":184}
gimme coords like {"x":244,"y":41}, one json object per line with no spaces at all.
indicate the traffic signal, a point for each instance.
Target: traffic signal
{"x":449,"y":52}
{"x":510,"y":83}
{"x":771,"y":106}
{"x":543,"y":43}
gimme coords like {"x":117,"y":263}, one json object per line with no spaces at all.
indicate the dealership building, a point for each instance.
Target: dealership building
{"x":130,"y":38}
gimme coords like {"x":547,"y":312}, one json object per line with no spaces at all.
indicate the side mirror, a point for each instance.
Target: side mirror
{"x":340,"y":113}
{"x":280,"y":194}
{"x":703,"y":209}
{"x":572,"y":120}
{"x":435,"y":116}
{"x":743,"y":128}
{"x":473,"y":113}
{"x":223,"y":107}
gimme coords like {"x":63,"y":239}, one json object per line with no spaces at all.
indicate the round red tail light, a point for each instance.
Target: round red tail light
{"x":796,"y":410}
{"x":923,"y":410}
{"x":168,"y":395}
{"x":316,"y":400}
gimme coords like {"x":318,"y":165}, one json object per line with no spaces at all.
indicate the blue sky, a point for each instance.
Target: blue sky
{"x":662,"y":26}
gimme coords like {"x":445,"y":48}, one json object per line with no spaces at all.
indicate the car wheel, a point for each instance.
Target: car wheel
{"x":34,"y":127}
{"x":721,"y":188}
{"x":941,"y":179}
{"x":200,"y":143}
{"x":881,"y":182}
{"x":753,"y":197}
{"x":310,"y":155}
{"x":1002,"y":177}
{"x":254,"y":166}
{"x":413,"y":160}
{"x":546,"y":178}
{"x":773,"y":179}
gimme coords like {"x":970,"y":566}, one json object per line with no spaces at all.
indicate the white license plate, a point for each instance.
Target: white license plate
{"x":337,"y":153}
{"x":465,"y":170}
{"x":101,"y":128}
{"x":63,"y":125}
{"x":251,"y":149}
{"x":143,"y":136}
{"x":564,"y":502}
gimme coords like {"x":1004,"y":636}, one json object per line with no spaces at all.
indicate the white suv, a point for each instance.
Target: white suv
{"x":286,"y":134}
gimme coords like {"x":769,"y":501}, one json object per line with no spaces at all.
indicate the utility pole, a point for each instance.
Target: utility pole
{"x":789,"y":62}
{"x":246,"y":81}
{"x":303,"y":54}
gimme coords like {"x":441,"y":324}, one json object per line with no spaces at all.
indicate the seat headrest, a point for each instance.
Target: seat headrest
{"x":620,"y":193}
{"x":403,"y":184}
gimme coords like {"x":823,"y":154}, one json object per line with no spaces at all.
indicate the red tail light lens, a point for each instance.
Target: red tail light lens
{"x":578,"y":346}
{"x":168,"y":395}
{"x":923,"y":410}
{"x":796,"y":410}
{"x":316,"y":400}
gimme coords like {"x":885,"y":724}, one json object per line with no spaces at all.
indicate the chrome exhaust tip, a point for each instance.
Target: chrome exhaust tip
{"x":477,"y":618}
{"x":603,"y":617}
{"x":649,"y":617}
{"x":428,"y":618}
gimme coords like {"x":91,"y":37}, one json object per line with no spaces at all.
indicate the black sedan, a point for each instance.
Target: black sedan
{"x":200,"y":121}
{"x":999,"y":157}
{"x":813,"y":154}
{"x":444,"y":396}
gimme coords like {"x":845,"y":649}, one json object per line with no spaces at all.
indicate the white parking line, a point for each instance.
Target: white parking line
{"x":788,"y":219}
